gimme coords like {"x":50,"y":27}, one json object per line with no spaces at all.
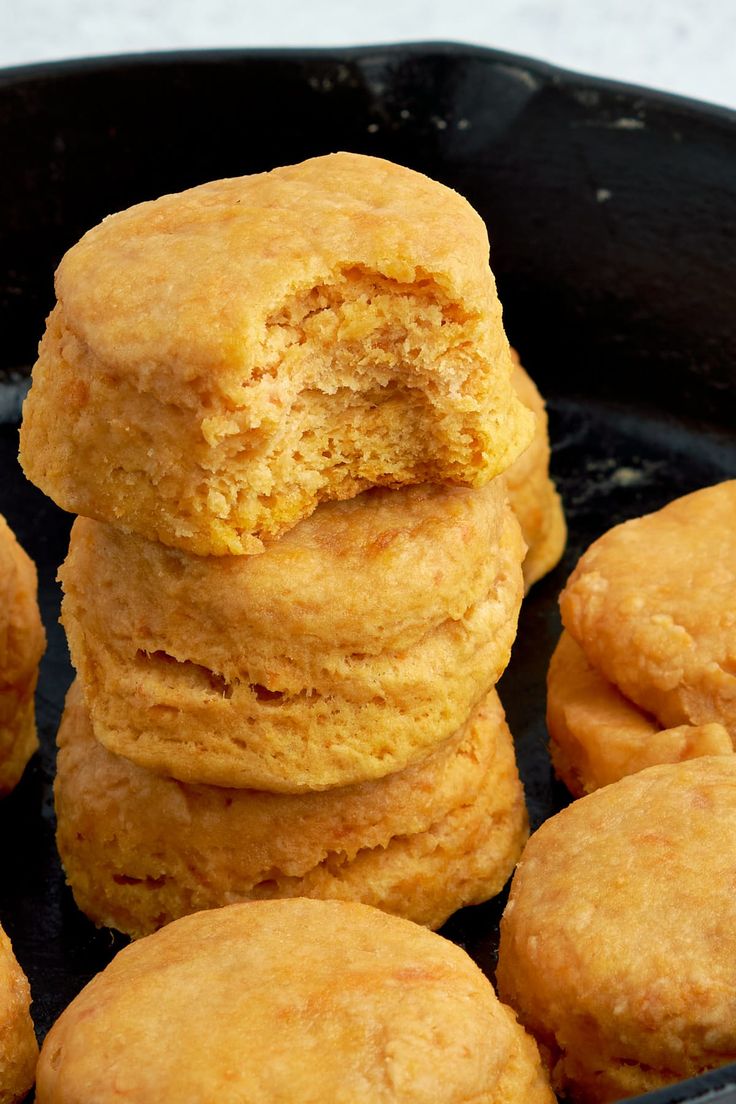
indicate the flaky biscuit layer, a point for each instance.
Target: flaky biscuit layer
{"x":372,"y":574}
{"x":140,"y":850}
{"x":222,"y":360}
{"x":618,"y":944}
{"x":324,"y":662}
{"x":305,"y":1001}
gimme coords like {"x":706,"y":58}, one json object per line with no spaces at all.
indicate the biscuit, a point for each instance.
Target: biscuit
{"x":532,"y":494}
{"x":618,"y":944}
{"x":140,"y":850}
{"x":598,"y":736}
{"x":222,"y":360}
{"x":22,"y":643}
{"x":18,"y":1047}
{"x":652,"y":603}
{"x":300,"y":1001}
{"x":356,"y":644}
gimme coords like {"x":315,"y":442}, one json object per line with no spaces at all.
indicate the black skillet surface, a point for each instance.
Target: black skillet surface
{"x":612,"y":215}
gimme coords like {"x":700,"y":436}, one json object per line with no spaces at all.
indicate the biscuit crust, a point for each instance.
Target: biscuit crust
{"x":222,"y":360}
{"x":354,"y":646}
{"x":22,"y":643}
{"x":212,"y":1008}
{"x":652,"y":603}
{"x":618,"y":944}
{"x":532,"y":494}
{"x":18,"y":1047}
{"x":140,"y":850}
{"x":598,"y":736}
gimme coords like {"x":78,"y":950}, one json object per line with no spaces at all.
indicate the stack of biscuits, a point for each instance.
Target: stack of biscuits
{"x":645,"y":670}
{"x":280,"y":404}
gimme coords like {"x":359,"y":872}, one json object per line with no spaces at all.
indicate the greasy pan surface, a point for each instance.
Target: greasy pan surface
{"x":612,"y":216}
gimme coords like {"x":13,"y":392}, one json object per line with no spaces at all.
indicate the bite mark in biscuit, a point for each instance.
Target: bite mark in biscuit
{"x":252,"y":347}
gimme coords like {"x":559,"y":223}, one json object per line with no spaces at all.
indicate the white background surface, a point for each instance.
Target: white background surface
{"x":685,"y":46}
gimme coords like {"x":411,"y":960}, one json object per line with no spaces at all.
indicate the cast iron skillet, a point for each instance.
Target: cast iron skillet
{"x":612,"y":215}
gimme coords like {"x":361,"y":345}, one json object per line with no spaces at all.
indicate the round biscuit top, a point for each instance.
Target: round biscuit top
{"x":652,"y":603}
{"x":305,"y":1001}
{"x":618,"y":944}
{"x":187,"y":281}
{"x":223,"y":360}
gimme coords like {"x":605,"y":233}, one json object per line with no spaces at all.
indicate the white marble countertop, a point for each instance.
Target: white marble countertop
{"x":682,"y":46}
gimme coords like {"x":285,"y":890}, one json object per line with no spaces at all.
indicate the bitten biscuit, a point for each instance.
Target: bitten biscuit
{"x":618,"y":944}
{"x":598,"y":736}
{"x":352,"y":647}
{"x":532,"y":494}
{"x":653,"y":606}
{"x":300,"y":1001}
{"x":18,"y":1047}
{"x":222,"y":360}
{"x":22,"y":643}
{"x":140,"y":850}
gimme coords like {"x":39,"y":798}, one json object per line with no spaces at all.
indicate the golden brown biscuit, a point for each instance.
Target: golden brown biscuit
{"x":532,"y":494}
{"x":356,"y":644}
{"x":18,"y":1047}
{"x":653,"y":605}
{"x":300,"y":1001}
{"x":618,"y":944}
{"x":598,"y":736}
{"x":22,"y":643}
{"x":224,"y":359}
{"x":140,"y":850}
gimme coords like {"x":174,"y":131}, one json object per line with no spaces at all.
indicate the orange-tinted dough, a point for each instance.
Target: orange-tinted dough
{"x":355,"y":645}
{"x":653,"y":605}
{"x":18,"y":1047}
{"x":300,"y":1001}
{"x":22,"y":643}
{"x":140,"y":850}
{"x":532,"y":494}
{"x":618,"y":944}
{"x":598,"y":736}
{"x":222,"y":360}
